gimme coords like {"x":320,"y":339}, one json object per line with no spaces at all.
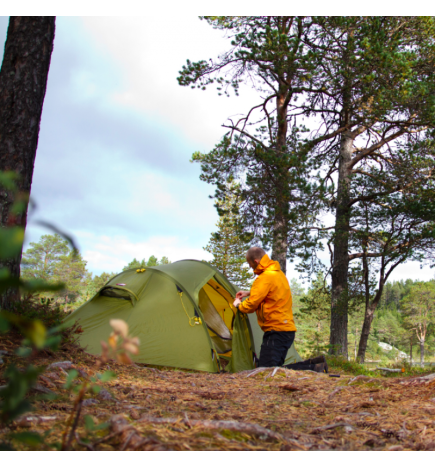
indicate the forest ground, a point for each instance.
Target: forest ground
{"x":167,"y":409}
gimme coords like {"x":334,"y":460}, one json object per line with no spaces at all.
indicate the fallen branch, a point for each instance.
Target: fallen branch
{"x":337,"y":390}
{"x":236,"y":426}
{"x":358,"y":377}
{"x":385,"y":369}
{"x":316,"y":430}
{"x":80,"y":442}
{"x":129,"y":436}
{"x":257,"y":371}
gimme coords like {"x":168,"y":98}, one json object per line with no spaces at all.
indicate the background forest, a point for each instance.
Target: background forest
{"x":400,"y":323}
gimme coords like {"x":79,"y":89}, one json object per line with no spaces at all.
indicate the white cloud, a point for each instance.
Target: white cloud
{"x":150,"y":54}
{"x":111,"y":254}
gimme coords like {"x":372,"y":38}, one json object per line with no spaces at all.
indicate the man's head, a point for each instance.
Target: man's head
{"x":254,"y":256}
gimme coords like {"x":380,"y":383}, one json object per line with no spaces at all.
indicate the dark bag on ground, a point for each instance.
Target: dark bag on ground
{"x":317,"y":364}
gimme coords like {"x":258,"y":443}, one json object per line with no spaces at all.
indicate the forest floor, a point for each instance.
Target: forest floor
{"x":165,"y":409}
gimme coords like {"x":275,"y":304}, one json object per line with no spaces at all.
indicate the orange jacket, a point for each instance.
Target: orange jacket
{"x":270,"y":298}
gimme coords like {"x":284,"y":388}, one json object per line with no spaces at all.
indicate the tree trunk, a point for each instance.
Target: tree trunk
{"x":422,"y":353}
{"x":356,"y":333}
{"x":23,"y":81}
{"x":339,"y":292}
{"x":280,"y":229}
{"x":410,"y":351}
{"x":365,"y":332}
{"x":280,"y":244}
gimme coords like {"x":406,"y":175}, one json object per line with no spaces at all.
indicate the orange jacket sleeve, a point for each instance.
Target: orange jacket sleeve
{"x":258,"y":293}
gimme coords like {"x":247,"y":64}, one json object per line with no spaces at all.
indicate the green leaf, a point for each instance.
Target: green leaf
{"x":23,"y":352}
{"x":4,"y":446}
{"x":89,"y":422}
{"x":96,"y":389}
{"x":4,"y":325}
{"x":7,"y":180}
{"x":11,"y":241}
{"x":29,"y":438}
{"x":72,"y":374}
{"x":102,"y":426}
{"x":107,"y":376}
{"x":53,"y":342}
{"x":36,"y":332}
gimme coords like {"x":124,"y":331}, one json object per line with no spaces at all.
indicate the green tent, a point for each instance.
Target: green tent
{"x":182,"y":313}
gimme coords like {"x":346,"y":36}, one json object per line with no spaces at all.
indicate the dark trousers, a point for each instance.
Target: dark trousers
{"x":274,"y":348}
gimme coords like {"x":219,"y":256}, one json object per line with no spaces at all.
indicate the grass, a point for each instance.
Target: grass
{"x":338,"y":365}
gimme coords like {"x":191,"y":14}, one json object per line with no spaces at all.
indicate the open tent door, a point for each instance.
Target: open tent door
{"x":257,"y":332}
{"x":228,"y":329}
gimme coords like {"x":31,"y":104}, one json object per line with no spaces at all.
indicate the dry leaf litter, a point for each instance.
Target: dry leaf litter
{"x":264,"y":409}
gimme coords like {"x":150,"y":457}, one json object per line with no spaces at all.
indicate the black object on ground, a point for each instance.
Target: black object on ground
{"x":317,"y":364}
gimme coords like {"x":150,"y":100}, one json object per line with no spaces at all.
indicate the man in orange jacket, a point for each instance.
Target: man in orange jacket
{"x":270,"y":297}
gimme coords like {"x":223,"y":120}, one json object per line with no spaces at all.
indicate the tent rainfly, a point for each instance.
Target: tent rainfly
{"x":183,"y":315}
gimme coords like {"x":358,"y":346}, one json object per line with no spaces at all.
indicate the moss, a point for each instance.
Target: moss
{"x":234,"y":435}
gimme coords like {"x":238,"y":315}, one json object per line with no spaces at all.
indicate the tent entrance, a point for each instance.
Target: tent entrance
{"x":216,"y":307}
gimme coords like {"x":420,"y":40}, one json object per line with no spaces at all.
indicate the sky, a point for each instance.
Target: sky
{"x":117,"y":133}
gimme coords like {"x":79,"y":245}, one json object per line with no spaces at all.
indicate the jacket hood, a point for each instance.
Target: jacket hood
{"x":267,"y":264}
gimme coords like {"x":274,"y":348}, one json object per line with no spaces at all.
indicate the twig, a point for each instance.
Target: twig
{"x":80,"y":442}
{"x":74,"y":427}
{"x":257,"y":371}
{"x":337,"y":390}
{"x":187,"y":420}
{"x":106,"y":438}
{"x":127,"y":441}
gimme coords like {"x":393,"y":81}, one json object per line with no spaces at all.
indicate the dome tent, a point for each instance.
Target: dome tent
{"x":181,"y":312}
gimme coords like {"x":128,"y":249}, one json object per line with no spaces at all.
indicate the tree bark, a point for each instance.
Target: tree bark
{"x":280,"y":244}
{"x":23,"y":82}
{"x":410,"y":351}
{"x":421,"y":353}
{"x":280,"y":229}
{"x":339,"y":292}
{"x":365,"y":333}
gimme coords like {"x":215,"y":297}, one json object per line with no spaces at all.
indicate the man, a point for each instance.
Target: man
{"x":270,"y":297}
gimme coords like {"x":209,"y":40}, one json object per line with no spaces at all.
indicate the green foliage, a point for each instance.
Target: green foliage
{"x":152,"y":261}
{"x":13,"y":396}
{"x":296,"y":288}
{"x":229,"y":246}
{"x":13,"y":402}
{"x":52,"y":260}
{"x":313,"y":318}
{"x":263,"y":151}
{"x":338,"y":365}
{"x":418,"y":309}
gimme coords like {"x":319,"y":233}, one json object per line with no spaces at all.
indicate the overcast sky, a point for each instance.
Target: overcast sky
{"x":117,"y":133}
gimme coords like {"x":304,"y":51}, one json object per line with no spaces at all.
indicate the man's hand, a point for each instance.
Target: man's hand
{"x":241,"y":294}
{"x":237,"y":302}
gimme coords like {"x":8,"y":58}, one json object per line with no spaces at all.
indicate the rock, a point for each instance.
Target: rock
{"x":41,"y":389}
{"x":395,"y":448}
{"x":62,"y":365}
{"x":105,"y":395}
{"x":66,"y":365}
{"x":134,"y":414}
{"x":90,"y":401}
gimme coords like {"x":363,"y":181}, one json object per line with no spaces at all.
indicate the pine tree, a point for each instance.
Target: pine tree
{"x":418,"y":308}
{"x":229,"y":247}
{"x":152,"y":261}
{"x":53,"y":261}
